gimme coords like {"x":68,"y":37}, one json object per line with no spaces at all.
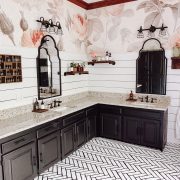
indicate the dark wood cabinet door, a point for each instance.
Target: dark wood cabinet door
{"x":132,"y":127}
{"x":68,"y":140}
{"x":110,"y":125}
{"x":1,"y":176}
{"x":49,"y":150}
{"x":150,"y":133}
{"x":20,"y":164}
{"x":91,"y":127}
{"x":80,"y":133}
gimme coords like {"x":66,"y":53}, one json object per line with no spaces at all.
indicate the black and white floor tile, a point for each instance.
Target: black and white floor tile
{"x":104,"y":159}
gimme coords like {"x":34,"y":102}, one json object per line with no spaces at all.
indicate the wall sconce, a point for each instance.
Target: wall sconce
{"x":50,"y":27}
{"x":152,"y":29}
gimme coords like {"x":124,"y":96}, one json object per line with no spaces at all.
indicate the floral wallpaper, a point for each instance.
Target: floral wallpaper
{"x":18,"y":26}
{"x":115,"y":28}
{"x":112,"y":28}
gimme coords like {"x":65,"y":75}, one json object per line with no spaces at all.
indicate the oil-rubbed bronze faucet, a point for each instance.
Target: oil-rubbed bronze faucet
{"x":147,"y":99}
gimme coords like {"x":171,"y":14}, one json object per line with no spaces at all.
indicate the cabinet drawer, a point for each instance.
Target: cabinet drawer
{"x":91,"y":111}
{"x":16,"y":143}
{"x":110,"y":109}
{"x":73,"y":118}
{"x":47,"y":129}
{"x":143,"y":113}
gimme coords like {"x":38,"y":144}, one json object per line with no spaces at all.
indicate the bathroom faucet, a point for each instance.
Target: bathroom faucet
{"x":147,"y":99}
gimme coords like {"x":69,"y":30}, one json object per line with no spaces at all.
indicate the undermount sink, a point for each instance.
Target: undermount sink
{"x":62,"y":108}
{"x":144,"y":104}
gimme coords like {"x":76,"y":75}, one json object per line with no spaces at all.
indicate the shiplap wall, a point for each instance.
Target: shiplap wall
{"x":122,"y":77}
{"x":16,"y":94}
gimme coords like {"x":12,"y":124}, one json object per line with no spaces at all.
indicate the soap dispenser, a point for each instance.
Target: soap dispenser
{"x":36,"y":105}
{"x":131,"y":95}
{"x":42,"y":105}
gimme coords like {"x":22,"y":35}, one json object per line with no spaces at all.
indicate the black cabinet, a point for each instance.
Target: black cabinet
{"x":145,"y":127}
{"x":49,"y":150}
{"x":73,"y":137}
{"x":80,"y":133}
{"x":110,"y":126}
{"x":21,"y":164}
{"x":150,"y":133}
{"x":91,"y":122}
{"x":91,"y":126}
{"x":68,"y":140}
{"x":132,"y":130}
{"x":1,"y":175}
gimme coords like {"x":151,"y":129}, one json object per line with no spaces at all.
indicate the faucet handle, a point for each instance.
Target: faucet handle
{"x":59,"y":102}
{"x":152,"y":100}
{"x":147,"y":99}
{"x":141,"y":98}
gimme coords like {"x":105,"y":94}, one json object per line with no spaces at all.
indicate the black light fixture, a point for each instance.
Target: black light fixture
{"x":50,"y":27}
{"x":151,"y":31}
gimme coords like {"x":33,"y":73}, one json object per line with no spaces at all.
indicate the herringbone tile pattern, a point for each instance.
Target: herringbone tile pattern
{"x":104,"y":159}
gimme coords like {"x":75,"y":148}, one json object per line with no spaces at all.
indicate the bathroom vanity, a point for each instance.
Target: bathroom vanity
{"x":54,"y":135}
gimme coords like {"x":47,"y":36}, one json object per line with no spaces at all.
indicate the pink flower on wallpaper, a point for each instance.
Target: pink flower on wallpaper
{"x":79,"y":27}
{"x":31,"y":38}
{"x":115,"y":10}
{"x":36,"y":37}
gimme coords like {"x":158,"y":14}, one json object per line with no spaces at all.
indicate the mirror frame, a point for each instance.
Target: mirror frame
{"x":43,"y":40}
{"x":163,"y":51}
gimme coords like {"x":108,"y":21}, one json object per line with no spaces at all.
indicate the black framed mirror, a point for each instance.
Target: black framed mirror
{"x":48,"y":69}
{"x":151,"y":68}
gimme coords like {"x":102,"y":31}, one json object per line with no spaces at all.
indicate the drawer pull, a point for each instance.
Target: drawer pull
{"x":19,"y":141}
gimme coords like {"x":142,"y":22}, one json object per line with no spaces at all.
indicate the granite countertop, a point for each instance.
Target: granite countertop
{"x":29,"y":120}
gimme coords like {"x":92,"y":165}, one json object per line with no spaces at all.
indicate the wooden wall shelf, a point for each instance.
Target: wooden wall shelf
{"x":175,"y":63}
{"x":101,"y":62}
{"x":73,"y":73}
{"x":10,"y":69}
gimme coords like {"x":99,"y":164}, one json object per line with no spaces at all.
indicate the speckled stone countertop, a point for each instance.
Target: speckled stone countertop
{"x":20,"y":122}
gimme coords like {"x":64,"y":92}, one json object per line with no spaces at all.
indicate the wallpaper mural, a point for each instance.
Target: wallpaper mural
{"x":112,"y":28}
{"x":115,"y":28}
{"x":18,"y":26}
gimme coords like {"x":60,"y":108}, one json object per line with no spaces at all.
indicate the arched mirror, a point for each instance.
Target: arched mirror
{"x":151,"y":68}
{"x":48,"y":69}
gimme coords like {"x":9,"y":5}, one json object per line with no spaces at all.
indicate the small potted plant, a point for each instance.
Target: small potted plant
{"x":75,"y":67}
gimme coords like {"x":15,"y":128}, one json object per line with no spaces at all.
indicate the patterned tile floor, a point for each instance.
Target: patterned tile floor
{"x":104,"y":159}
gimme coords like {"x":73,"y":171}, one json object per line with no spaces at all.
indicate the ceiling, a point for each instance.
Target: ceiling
{"x":93,"y":4}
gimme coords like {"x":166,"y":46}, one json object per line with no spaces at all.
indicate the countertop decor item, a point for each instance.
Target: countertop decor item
{"x":40,"y":110}
{"x":175,"y":64}
{"x":151,"y":31}
{"x":101,"y":62}
{"x":50,"y":26}
{"x":10,"y":69}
